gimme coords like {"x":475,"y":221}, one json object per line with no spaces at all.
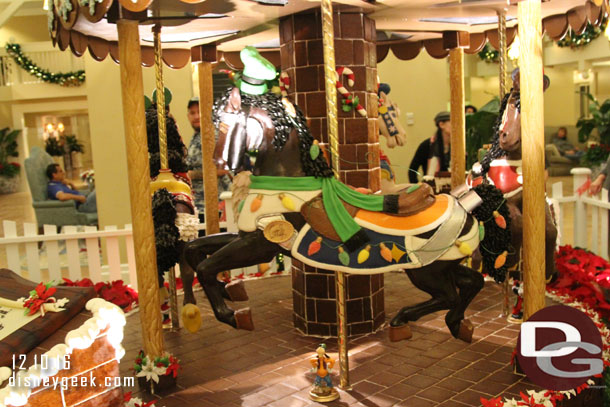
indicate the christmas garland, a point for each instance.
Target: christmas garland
{"x":75,"y":78}
{"x":580,"y":40}
{"x":489,"y":54}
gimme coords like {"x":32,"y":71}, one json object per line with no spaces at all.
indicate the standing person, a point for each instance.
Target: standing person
{"x":194,"y":160}
{"x":602,"y":180}
{"x":433,"y":154}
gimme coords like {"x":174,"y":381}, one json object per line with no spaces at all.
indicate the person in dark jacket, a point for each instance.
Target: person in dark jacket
{"x":433,"y":154}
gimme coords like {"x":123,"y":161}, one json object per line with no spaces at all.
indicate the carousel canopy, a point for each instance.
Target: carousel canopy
{"x":404,"y":27}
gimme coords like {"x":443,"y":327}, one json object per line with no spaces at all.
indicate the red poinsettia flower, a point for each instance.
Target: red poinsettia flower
{"x":42,"y":294}
{"x":173,"y":367}
{"x":497,"y":402}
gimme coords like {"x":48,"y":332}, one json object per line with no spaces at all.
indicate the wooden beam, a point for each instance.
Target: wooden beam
{"x":139,"y":186}
{"x":208,"y":142}
{"x":532,"y":146}
{"x":11,"y":9}
{"x":458,"y":120}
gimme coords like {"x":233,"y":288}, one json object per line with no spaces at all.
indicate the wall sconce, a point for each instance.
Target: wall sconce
{"x":60,"y":127}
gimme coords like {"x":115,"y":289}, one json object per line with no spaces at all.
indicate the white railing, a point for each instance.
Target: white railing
{"x":42,"y":54}
{"x":24,"y":253}
{"x":590,"y":214}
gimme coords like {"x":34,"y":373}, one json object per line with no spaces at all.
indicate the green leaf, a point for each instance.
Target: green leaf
{"x":355,"y":101}
{"x":346,"y":108}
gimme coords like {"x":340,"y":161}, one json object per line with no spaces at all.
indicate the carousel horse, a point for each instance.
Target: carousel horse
{"x":388,"y":119}
{"x":501,"y":166}
{"x":295,"y":206}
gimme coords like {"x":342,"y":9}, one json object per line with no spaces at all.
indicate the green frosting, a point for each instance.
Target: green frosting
{"x":257,"y":68}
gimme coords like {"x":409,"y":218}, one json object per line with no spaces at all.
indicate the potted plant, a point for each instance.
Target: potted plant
{"x":480,"y":129}
{"x":74,"y":148}
{"x":55,"y":148}
{"x":599,"y":121}
{"x":9,"y":171}
{"x":158,"y":374}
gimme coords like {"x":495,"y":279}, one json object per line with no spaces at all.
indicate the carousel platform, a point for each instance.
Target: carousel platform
{"x":221,"y":366}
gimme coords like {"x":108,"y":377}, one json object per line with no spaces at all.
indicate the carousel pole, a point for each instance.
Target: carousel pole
{"x":458,"y":120}
{"x":208,"y":142}
{"x":173,"y":294}
{"x":132,"y":92}
{"x":502,"y":81}
{"x":532,"y":133}
{"x":330,"y":79}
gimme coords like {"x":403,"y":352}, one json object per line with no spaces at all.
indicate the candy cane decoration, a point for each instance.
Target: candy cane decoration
{"x":348,"y":97}
{"x":284,"y":83}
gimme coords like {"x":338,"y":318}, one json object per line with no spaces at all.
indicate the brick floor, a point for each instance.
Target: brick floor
{"x":269,"y":366}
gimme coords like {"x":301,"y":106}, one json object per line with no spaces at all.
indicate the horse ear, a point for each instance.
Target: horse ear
{"x":234,"y":101}
{"x":515,"y":78}
{"x":546,"y":82}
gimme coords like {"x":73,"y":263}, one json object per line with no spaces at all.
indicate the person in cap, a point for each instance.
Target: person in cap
{"x":433,"y":154}
{"x":194,"y":160}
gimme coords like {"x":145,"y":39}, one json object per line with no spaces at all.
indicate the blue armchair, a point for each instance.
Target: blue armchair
{"x":49,"y":211}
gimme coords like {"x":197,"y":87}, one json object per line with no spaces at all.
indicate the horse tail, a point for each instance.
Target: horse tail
{"x":497,"y":237}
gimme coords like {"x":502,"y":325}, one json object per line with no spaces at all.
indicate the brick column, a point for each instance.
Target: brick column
{"x":302,"y":58}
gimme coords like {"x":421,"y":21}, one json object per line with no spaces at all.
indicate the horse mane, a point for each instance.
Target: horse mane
{"x":176,"y":150}
{"x":496,"y":151}
{"x":283,"y":124}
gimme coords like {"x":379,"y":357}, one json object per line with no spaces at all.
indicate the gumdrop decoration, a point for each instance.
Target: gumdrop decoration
{"x":364,"y":254}
{"x":314,"y":246}
{"x":287,"y":202}
{"x":500,"y":221}
{"x":343,"y":256}
{"x":314,"y":150}
{"x":256,"y":203}
{"x":385,"y":252}
{"x":500,"y":260}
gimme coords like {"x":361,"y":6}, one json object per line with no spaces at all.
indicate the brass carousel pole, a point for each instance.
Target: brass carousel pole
{"x":173,"y":295}
{"x":458,"y":129}
{"x":532,"y":133}
{"x":502,"y":81}
{"x":132,"y":92}
{"x":330,"y":78}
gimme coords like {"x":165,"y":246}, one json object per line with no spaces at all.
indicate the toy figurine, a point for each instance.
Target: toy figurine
{"x":322,"y":390}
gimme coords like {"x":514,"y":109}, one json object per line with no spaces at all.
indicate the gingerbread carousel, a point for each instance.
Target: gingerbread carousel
{"x":313,"y":194}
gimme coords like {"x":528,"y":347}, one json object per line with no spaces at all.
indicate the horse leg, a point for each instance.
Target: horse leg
{"x":469,"y":283}
{"x":435,"y":280}
{"x":245,"y":250}
{"x":194,"y":253}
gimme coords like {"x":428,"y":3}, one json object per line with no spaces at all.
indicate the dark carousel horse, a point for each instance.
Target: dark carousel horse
{"x":502,"y":167}
{"x":279,"y":132}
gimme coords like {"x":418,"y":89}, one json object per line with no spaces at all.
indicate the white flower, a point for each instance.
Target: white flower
{"x":150,"y":372}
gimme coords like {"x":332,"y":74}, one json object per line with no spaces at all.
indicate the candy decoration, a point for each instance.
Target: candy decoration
{"x":284,"y":83}
{"x":481,"y":230}
{"x":413,"y":188}
{"x":241,"y":205}
{"x":314,"y":246}
{"x":343,"y":257}
{"x":500,"y":221}
{"x":314,"y":150}
{"x":385,"y":253}
{"x":256,"y":203}
{"x":287,"y":202}
{"x":464,"y":247}
{"x":348,"y":99}
{"x":397,"y":253}
{"x":364,"y":254}
{"x":500,"y":260}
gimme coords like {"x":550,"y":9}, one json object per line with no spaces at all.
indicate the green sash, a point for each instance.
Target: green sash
{"x":333,"y":192}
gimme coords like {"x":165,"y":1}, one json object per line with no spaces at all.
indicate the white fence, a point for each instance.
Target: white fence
{"x":590,"y":214}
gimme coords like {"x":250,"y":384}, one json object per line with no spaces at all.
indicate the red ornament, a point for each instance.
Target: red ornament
{"x":314,"y":246}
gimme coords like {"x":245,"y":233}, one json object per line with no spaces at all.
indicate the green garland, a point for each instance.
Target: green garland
{"x":576,"y":41}
{"x":75,"y":78}
{"x":489,"y":54}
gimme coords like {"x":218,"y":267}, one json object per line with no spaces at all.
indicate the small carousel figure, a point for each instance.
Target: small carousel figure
{"x":322,"y":390}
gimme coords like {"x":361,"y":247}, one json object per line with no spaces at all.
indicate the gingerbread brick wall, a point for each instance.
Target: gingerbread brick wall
{"x":97,"y":361}
{"x":302,"y":58}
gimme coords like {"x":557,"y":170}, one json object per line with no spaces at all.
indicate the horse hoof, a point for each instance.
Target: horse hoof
{"x":243,"y":319}
{"x":237,"y":291}
{"x":466,"y":331}
{"x":399,"y":333}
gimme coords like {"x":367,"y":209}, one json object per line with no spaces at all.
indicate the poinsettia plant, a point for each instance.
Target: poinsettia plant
{"x":115,"y":292}
{"x":166,"y":365}
{"x":136,"y":402}
{"x":42,"y":294}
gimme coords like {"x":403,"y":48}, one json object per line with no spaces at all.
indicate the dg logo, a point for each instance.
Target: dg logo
{"x":560,"y":348}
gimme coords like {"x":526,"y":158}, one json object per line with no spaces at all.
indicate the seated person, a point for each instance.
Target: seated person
{"x":566,"y":148}
{"x":60,"y":189}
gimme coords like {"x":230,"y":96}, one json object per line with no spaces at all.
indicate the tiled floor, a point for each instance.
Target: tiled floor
{"x":226,"y":367}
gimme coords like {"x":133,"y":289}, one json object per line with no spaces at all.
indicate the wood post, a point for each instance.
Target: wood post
{"x":139,"y":185}
{"x":458,"y":120}
{"x":208,"y":142}
{"x":532,"y":146}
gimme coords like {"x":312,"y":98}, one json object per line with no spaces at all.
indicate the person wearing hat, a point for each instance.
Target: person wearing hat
{"x":433,"y":154}
{"x":194,"y":160}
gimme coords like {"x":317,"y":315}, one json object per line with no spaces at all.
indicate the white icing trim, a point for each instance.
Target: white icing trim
{"x":105,"y":314}
{"x":503,"y":162}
